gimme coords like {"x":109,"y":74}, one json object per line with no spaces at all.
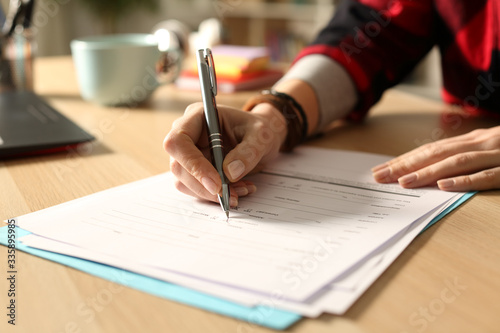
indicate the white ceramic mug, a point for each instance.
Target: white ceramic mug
{"x":119,"y":69}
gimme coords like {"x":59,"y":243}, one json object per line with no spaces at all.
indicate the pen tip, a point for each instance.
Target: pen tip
{"x":227,"y":216}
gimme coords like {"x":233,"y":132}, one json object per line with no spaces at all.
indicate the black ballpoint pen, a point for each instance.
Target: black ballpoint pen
{"x":208,"y":85}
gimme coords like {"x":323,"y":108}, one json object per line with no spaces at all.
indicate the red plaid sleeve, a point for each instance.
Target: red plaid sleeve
{"x":378,"y":42}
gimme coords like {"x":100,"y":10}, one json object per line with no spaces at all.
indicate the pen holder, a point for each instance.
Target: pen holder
{"x":16,"y":61}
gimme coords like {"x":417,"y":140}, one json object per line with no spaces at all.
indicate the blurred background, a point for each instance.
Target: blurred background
{"x":284,"y":26}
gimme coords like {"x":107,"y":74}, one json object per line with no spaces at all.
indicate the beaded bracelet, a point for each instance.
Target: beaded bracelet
{"x":293,"y":112}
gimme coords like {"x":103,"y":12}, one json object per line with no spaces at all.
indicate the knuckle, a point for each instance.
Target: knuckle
{"x":427,"y":173}
{"x":259,"y":126}
{"x":467,"y":181}
{"x":404,"y":166}
{"x":179,"y":185}
{"x":462,"y":160}
{"x":491,"y":143}
{"x":476,"y":135}
{"x":175,"y":123}
{"x":170,"y":142}
{"x":487,"y":138}
{"x":194,"y":107}
{"x":434,"y":150}
{"x":194,"y":167}
{"x":249,"y":153}
{"x":200,"y":192}
{"x":490,"y":177}
{"x":197,"y":191}
{"x":176,"y":168}
{"x":495,"y":144}
{"x":479,"y":132}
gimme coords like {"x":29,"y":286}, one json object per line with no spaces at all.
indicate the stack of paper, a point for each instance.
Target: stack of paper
{"x":312,"y":239}
{"x":237,"y":68}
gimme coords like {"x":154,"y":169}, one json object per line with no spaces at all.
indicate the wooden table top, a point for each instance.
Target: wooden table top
{"x":447,"y":280}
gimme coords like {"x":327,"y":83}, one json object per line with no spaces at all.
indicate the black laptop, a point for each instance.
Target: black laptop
{"x":28,"y":125}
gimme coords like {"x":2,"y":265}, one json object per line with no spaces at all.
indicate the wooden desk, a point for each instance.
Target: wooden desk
{"x":416,"y":293}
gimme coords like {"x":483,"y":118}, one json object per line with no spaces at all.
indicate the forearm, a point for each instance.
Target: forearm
{"x":322,"y":87}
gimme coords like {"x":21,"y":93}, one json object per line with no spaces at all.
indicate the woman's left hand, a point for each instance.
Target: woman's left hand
{"x":469,"y":162}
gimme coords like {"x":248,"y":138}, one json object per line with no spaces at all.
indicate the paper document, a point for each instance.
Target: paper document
{"x":335,"y":298}
{"x":314,"y":236}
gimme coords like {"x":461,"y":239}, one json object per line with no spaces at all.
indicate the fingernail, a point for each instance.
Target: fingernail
{"x":235,"y":169}
{"x":233,"y":202}
{"x":241,"y":191}
{"x":251,"y":189}
{"x":382,"y":175}
{"x":209,"y":185}
{"x":446,"y":183}
{"x":408,"y":179}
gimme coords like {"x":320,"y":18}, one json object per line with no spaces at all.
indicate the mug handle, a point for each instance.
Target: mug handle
{"x":168,"y":66}
{"x":172,"y":39}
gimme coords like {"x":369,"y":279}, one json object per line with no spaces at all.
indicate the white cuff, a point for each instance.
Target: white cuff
{"x":334,"y":87}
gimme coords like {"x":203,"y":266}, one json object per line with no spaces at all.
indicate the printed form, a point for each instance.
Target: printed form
{"x":318,"y":231}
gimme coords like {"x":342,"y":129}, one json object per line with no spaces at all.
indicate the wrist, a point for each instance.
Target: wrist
{"x":291,"y":111}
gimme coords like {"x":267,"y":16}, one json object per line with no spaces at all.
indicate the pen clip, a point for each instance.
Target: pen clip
{"x":211,"y":70}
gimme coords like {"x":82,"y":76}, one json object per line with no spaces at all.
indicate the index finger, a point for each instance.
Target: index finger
{"x":419,"y":158}
{"x":180,"y":143}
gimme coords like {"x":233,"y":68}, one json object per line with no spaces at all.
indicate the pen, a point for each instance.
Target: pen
{"x":208,"y":84}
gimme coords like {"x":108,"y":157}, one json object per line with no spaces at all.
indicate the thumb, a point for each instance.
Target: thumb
{"x":242,"y":159}
{"x":258,"y":145}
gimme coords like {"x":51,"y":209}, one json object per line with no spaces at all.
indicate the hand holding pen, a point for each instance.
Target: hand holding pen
{"x":251,"y":139}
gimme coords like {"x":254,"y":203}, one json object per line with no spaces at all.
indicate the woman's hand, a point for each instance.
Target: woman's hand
{"x":467,"y":162}
{"x":250,"y":140}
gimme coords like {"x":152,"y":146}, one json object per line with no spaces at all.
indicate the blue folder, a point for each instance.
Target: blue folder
{"x":260,"y":315}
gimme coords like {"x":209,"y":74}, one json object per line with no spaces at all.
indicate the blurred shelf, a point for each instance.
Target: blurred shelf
{"x":281,"y":11}
{"x":285,"y":26}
